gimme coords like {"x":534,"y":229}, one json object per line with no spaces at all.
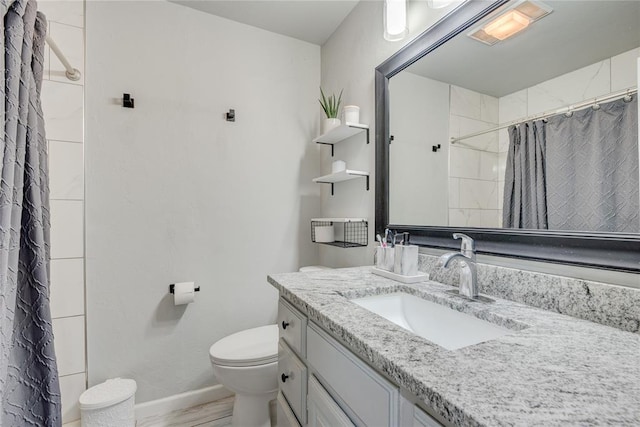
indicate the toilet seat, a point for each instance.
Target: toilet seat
{"x":251,"y":347}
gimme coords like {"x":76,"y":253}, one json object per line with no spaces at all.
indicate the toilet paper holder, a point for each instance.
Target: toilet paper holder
{"x":173,"y":286}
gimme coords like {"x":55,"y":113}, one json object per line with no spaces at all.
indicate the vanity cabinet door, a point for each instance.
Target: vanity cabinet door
{"x":285,"y":417}
{"x":292,"y":377}
{"x":293,"y":327}
{"x":323,"y":410}
{"x":373,"y":400}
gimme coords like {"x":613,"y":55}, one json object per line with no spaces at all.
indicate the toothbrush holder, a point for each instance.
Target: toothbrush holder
{"x":385,"y":258}
{"x":406,"y":260}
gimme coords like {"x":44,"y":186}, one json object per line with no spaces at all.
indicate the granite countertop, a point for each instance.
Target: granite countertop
{"x":552,"y":370}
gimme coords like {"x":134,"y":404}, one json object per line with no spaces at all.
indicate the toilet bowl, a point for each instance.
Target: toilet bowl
{"x":247,"y":364}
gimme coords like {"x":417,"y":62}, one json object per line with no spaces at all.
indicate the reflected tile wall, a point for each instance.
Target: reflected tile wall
{"x":63,"y":107}
{"x":474,"y":168}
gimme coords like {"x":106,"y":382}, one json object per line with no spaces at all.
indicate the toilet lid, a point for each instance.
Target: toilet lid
{"x":257,"y":346}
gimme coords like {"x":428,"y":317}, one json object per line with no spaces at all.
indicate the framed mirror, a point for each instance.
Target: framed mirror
{"x":516,"y":122}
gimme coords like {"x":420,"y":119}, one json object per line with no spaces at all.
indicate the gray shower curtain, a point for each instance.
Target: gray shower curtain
{"x":29,"y":386}
{"x":525,"y":203}
{"x":575,"y":173}
{"x":592,"y":169}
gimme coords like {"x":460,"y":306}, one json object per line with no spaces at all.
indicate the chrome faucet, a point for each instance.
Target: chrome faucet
{"x":467,"y":259}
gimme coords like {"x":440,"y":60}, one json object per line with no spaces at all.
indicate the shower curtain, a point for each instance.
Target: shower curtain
{"x":575,"y":173}
{"x":592,"y":169}
{"x":525,"y":202}
{"x":29,"y":386}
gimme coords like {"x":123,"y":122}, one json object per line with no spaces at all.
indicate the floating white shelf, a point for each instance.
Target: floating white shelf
{"x":341,"y":176}
{"x":341,"y":133}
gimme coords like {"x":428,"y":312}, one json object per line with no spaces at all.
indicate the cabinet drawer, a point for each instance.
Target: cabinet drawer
{"x":285,"y":417}
{"x":292,"y":325}
{"x":292,"y":376}
{"x":323,"y":410}
{"x":370,"y":397}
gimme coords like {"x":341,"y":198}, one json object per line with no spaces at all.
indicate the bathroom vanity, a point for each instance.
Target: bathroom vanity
{"x":341,"y":364}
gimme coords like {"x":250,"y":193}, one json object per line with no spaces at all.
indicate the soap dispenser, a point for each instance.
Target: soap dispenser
{"x":406,"y":258}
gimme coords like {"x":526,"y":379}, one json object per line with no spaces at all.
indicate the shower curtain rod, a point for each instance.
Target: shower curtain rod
{"x":72,"y":74}
{"x":564,"y":110}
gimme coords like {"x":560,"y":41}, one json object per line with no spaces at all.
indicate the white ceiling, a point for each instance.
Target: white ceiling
{"x":309,"y":20}
{"x":576,"y":34}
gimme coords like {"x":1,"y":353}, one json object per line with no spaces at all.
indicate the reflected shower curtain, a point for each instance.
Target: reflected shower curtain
{"x":525,"y":200}
{"x":575,"y":173}
{"x":28,"y":376}
{"x":592,"y":169}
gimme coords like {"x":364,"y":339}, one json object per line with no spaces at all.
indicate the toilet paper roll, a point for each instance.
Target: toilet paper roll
{"x":184,"y":293}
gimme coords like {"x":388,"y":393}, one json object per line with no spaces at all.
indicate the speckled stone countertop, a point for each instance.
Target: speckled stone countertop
{"x":552,"y":370}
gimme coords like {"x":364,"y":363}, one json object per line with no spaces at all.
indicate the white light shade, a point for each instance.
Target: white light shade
{"x":507,"y":25}
{"x":395,"y":19}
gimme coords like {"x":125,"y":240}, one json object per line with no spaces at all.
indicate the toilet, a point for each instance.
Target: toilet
{"x":247,"y":364}
{"x":311,"y":268}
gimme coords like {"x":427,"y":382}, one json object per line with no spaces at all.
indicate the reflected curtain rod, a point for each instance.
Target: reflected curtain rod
{"x":564,"y":110}
{"x":72,"y":74}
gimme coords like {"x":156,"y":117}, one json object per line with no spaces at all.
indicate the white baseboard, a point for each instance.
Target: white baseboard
{"x":181,"y":401}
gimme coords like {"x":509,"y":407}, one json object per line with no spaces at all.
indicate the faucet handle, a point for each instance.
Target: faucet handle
{"x":468,"y":246}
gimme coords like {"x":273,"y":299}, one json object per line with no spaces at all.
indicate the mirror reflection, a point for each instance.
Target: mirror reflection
{"x":527,"y":120}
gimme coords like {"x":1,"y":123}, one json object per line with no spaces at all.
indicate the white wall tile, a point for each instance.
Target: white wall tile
{"x":71,"y":41}
{"x":67,"y":287}
{"x":513,"y":106}
{"x":488,"y":165}
{"x":624,"y":70}
{"x":71,"y":387}
{"x":454,"y":126}
{"x":503,"y":140}
{"x":465,"y":162}
{"x":486,"y":142}
{"x":466,"y":103}
{"x":500,"y":195}
{"x":67,"y":239}
{"x":585,"y":83}
{"x":458,"y":217}
{"x":69,"y":12}
{"x":502,"y":165}
{"x":66,"y":166}
{"x":489,"y":218}
{"x":476,"y":194}
{"x":69,"y":344}
{"x":454,"y":193}
{"x":62,"y":104}
{"x":489,"y":109}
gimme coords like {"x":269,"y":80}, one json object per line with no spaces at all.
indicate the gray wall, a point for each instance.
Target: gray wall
{"x":175,"y":193}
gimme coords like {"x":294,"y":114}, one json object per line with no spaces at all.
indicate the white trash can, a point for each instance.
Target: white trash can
{"x":110,"y":404}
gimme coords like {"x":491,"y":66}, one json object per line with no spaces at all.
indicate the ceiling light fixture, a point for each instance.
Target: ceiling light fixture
{"x":507,"y":25}
{"x":395,"y":20}
{"x":510,"y":21}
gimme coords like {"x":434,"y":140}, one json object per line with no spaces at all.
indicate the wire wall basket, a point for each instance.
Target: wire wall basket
{"x":340,"y":232}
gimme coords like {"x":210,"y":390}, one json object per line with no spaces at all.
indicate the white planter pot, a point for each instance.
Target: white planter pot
{"x":329,"y":124}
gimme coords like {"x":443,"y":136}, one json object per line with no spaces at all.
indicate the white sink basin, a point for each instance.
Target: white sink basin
{"x":446,"y":327}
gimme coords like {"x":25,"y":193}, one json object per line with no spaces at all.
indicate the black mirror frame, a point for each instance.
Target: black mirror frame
{"x":614,"y":251}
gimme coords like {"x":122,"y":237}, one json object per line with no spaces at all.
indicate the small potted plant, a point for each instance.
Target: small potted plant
{"x":331,"y":107}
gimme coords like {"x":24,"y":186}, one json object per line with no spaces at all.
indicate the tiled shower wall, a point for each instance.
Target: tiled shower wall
{"x":63,"y":105}
{"x":473,"y":171}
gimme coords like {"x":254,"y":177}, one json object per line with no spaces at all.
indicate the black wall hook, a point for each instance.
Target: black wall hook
{"x":231,"y":115}
{"x":127,"y":101}
{"x":435,"y":148}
